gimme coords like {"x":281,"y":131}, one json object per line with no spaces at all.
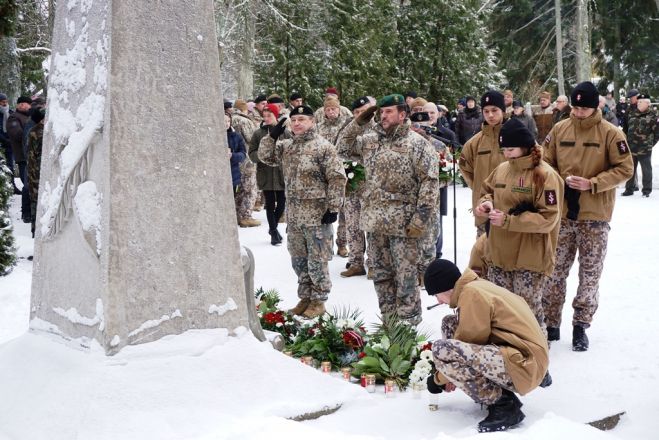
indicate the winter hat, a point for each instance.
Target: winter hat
{"x":275,"y":99}
{"x":241,"y":105}
{"x":24,"y":99}
{"x":294,"y":96}
{"x":585,"y":94}
{"x":420,"y":117}
{"x":260,"y":98}
{"x":360,"y":102}
{"x":330,"y":102}
{"x":272,"y":108}
{"x":515,"y":134}
{"x":441,"y":276}
{"x":630,"y":94}
{"x":545,"y":94}
{"x":463,"y":102}
{"x":492,"y":97}
{"x":517,"y":103}
{"x":418,"y":102}
{"x":227,"y":104}
{"x":37,"y":114}
{"x":469,"y":98}
{"x":3,"y":97}
{"x":302,"y":110}
{"x":410,"y":94}
{"x":331,"y":91}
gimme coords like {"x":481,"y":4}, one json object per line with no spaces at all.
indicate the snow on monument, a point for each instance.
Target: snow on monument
{"x":136,"y":227}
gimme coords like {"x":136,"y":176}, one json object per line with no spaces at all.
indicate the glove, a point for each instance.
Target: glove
{"x":413,"y":232}
{"x":278,"y":129}
{"x":522,"y":207}
{"x":433,"y":388}
{"x":367,"y":115}
{"x":329,"y":217}
{"x":572,"y":198}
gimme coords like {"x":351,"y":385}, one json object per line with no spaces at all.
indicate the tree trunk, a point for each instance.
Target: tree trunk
{"x":10,"y":72}
{"x":246,"y":60}
{"x":617,"y":80}
{"x":559,"y":48}
{"x":583,"y":42}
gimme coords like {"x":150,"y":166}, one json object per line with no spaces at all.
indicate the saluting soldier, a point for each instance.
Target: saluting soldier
{"x":593,"y":158}
{"x":399,"y":200}
{"x":315,"y":186}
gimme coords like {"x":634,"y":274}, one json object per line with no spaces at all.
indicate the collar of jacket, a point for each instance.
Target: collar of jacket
{"x":588,"y":122}
{"x":467,"y":277}
{"x":306,"y":136}
{"x":398,"y":132}
{"x":491,"y":130}
{"x":522,"y":163}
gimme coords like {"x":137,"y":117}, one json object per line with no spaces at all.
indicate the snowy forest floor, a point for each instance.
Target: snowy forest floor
{"x":39,"y":378}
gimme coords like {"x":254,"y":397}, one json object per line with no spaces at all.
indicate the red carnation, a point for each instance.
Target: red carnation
{"x":273,"y":317}
{"x":361,"y":355}
{"x":352,"y":339}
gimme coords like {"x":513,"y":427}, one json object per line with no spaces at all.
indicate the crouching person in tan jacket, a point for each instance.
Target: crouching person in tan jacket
{"x":493,"y":346}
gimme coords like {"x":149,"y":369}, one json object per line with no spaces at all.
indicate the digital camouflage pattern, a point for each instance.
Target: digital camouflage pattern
{"x":356,"y":236}
{"x":402,"y":184}
{"x":393,"y":260}
{"x":244,"y":125}
{"x":313,"y":173}
{"x":248,"y":190}
{"x":329,"y":128}
{"x":590,"y":238}
{"x":525,"y":283}
{"x":643,"y":131}
{"x":310,"y":248}
{"x":342,"y":230}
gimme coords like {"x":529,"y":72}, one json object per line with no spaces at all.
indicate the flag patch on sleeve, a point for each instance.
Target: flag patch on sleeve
{"x":550,"y":197}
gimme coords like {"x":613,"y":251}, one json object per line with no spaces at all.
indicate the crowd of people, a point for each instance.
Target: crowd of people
{"x":543,"y":183}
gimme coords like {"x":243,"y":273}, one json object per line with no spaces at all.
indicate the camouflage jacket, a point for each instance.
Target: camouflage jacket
{"x":244,"y":125}
{"x":643,"y":131}
{"x":402,"y":182}
{"x":35,"y":141}
{"x":330,"y":128}
{"x":313,"y":175}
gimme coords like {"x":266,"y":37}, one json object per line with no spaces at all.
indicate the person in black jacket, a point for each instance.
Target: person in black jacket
{"x":236,"y":154}
{"x":469,"y":121}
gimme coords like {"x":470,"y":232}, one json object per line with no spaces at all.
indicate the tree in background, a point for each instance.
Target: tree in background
{"x":7,"y":242}
{"x":10,"y":73}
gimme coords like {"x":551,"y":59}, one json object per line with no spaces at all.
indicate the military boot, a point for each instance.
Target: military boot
{"x":275,"y":238}
{"x":546,"y":381}
{"x":553,"y":334}
{"x":315,"y":308}
{"x":502,"y":414}
{"x":353,"y":271}
{"x":627,"y":192}
{"x":300,"y":307}
{"x":579,"y":339}
{"x":342,"y":252}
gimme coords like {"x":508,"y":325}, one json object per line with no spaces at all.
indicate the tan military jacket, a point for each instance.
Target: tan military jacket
{"x":491,"y":315}
{"x":480,"y":156}
{"x":526,"y":241}
{"x":594,"y":149}
{"x":402,"y":171}
{"x":313,"y":174}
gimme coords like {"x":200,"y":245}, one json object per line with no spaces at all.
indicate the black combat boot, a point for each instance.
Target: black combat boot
{"x":579,"y":339}
{"x":546,"y":381}
{"x":502,"y":414}
{"x":553,"y":333}
{"x":274,"y":237}
{"x":627,"y":192}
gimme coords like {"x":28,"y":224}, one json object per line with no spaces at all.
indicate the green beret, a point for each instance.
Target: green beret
{"x":391,"y":100}
{"x":302,"y":110}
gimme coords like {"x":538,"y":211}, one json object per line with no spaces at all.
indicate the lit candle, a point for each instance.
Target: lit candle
{"x":370,"y":383}
{"x":326,"y":366}
{"x":389,"y":387}
{"x":345,"y":373}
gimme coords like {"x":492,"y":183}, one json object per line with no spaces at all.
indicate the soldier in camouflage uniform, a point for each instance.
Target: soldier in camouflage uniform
{"x":398,"y":203}
{"x":593,"y":158}
{"x":493,"y":346}
{"x":34,"y":147}
{"x":642,"y":134}
{"x":315,"y":186}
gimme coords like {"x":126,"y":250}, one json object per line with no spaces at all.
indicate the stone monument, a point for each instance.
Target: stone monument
{"x":136,"y":226}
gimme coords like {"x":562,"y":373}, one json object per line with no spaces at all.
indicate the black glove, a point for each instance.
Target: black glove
{"x":367,"y":115}
{"x":278,"y":129}
{"x":572,"y":199}
{"x":522,"y":207}
{"x":329,"y":217}
{"x":433,"y":388}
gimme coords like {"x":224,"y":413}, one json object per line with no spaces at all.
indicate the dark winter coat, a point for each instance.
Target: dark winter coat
{"x":468,"y":124}
{"x":446,"y":133}
{"x":15,"y":126}
{"x":559,"y":115}
{"x":239,"y":153}
{"x":267,"y":178}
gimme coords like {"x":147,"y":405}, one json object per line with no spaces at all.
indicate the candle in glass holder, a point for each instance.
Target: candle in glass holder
{"x":433,"y":402}
{"x":345,"y":373}
{"x":417,"y":388}
{"x":288,"y":353}
{"x":389,"y":389}
{"x":362,"y":380}
{"x":326,"y":366}
{"x":307,"y":360}
{"x":370,"y":383}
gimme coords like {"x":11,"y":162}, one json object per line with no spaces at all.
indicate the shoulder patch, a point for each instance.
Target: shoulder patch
{"x":548,"y":139}
{"x":550,"y":197}
{"x":623,"y":148}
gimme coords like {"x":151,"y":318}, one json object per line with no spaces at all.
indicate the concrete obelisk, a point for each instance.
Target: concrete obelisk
{"x":136,"y":227}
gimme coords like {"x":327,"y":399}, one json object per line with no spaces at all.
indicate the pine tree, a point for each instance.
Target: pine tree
{"x":7,"y":242}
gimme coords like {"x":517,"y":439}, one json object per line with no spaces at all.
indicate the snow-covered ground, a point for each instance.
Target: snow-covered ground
{"x":205,"y":385}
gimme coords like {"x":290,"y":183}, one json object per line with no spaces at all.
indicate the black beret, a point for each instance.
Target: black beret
{"x":517,"y":103}
{"x":302,"y":110}
{"x":294,"y":96}
{"x":410,"y":94}
{"x":585,"y":94}
{"x":643,"y":96}
{"x":260,"y":98}
{"x":515,"y":134}
{"x":25,"y":99}
{"x":227,"y":104}
{"x":492,"y":97}
{"x":275,"y":100}
{"x":632,"y":93}
{"x":420,"y":117}
{"x":360,"y":102}
{"x":440,"y":276}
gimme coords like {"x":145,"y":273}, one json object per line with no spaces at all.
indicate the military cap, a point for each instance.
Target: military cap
{"x":545,"y":94}
{"x":260,"y":98}
{"x":294,"y":96}
{"x":391,"y":100}
{"x":302,"y":110}
{"x":227,"y":104}
{"x":275,"y":99}
{"x":643,"y":96}
{"x":24,"y":99}
{"x":359,"y":102}
{"x":410,"y":94}
{"x":517,"y":103}
{"x":632,"y":93}
{"x":585,"y":94}
{"x":420,"y":117}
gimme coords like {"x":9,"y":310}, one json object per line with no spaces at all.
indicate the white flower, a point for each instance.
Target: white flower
{"x":350,"y":323}
{"x":279,"y":324}
{"x":341,"y":323}
{"x":354,"y":164}
{"x":346,"y":166}
{"x":423,"y":364}
{"x":426,"y":355}
{"x":351,"y":175}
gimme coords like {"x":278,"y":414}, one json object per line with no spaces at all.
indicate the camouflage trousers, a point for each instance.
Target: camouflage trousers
{"x":356,"y":237}
{"x":478,"y":370}
{"x":311,"y":248}
{"x":590,"y":238}
{"x":248,"y":190}
{"x":525,"y":283}
{"x":427,"y":246}
{"x":393,"y":260}
{"x":342,"y":230}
